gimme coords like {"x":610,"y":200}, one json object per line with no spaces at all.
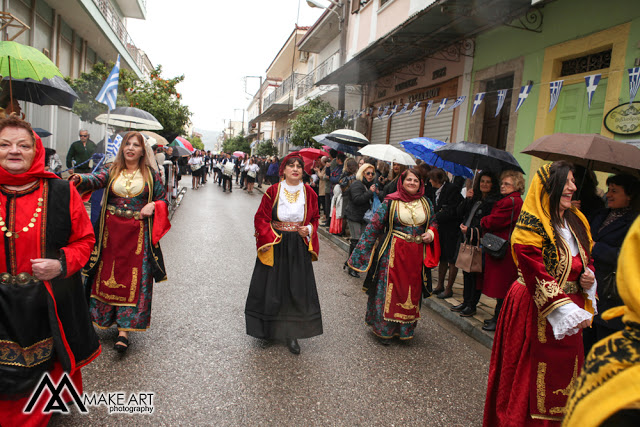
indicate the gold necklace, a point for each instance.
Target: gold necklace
{"x":32,"y":222}
{"x":411,"y":207}
{"x":128,"y":179}
{"x":291,"y":197}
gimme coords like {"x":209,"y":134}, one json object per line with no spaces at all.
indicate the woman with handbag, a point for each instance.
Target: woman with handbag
{"x":195,"y":163}
{"x":501,"y":272}
{"x":359,"y":195}
{"x":609,"y":227}
{"x":404,"y":222}
{"x":252,"y":172}
{"x":537,"y":351}
{"x":477,"y":204}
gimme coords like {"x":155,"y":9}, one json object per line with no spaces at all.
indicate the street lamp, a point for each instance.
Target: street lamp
{"x":320,"y":5}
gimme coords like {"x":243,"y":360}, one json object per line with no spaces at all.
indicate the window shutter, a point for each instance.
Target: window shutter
{"x":355,"y":6}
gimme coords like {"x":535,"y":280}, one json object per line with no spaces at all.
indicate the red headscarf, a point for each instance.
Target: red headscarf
{"x":283,"y":162}
{"x":35,"y":172}
{"x":402,"y":194}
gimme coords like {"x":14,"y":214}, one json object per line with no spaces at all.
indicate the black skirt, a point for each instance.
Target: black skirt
{"x":283,"y":299}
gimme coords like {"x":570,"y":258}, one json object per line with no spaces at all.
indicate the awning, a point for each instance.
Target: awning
{"x":274,"y":112}
{"x":444,"y":24}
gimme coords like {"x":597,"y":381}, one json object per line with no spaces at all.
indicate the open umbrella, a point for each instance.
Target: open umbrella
{"x":593,"y":151}
{"x":388,"y":153}
{"x":239,"y":154}
{"x":348,"y":137}
{"x":42,"y":133}
{"x":160,"y":140}
{"x":180,"y":151}
{"x":131,"y":118}
{"x":181,"y":142}
{"x":310,"y":155}
{"x":478,"y":156}
{"x":423,"y":148}
{"x":322,"y":139}
{"x":53,"y":91}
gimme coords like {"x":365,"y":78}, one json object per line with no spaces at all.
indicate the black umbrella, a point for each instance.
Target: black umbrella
{"x":42,"y":133}
{"x":53,"y":91}
{"x":348,"y":137}
{"x":323,"y":140}
{"x":478,"y":156}
{"x":180,"y":151}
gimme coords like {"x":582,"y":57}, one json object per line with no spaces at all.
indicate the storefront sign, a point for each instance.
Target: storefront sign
{"x":441,"y":72}
{"x":427,"y":94}
{"x":624,"y":119}
{"x":407,"y":84}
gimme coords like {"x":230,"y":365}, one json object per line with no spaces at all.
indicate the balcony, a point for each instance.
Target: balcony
{"x":306,"y":84}
{"x":133,"y":8}
{"x":282,"y":91}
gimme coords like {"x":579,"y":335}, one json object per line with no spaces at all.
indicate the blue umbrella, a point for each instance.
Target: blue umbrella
{"x":423,"y":149}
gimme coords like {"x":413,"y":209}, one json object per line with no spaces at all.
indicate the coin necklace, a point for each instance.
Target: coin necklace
{"x":291,"y":197}
{"x":32,"y":222}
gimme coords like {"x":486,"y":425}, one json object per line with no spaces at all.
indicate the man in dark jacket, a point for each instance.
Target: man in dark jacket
{"x":81,"y":151}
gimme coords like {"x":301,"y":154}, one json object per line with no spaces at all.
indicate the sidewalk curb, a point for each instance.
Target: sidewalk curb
{"x":469,"y":326}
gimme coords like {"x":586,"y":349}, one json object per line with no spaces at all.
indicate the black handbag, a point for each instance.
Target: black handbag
{"x":497,"y":246}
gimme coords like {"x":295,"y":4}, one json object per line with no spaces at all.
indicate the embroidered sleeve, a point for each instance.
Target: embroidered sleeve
{"x":361,"y":257}
{"x":94,"y":180}
{"x":159,"y":192}
{"x":544,"y":289}
{"x":565,"y":320}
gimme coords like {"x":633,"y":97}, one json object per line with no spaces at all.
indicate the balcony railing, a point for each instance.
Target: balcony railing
{"x":284,"y":89}
{"x":113,"y":19}
{"x":306,"y":84}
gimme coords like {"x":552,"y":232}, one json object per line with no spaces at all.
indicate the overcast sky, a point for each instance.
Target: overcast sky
{"x":215,"y":44}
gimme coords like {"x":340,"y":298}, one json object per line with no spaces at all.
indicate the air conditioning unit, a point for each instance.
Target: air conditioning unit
{"x":304,"y":57}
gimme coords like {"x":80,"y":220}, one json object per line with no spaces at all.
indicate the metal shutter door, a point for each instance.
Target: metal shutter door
{"x":439,"y":127}
{"x":404,"y":127}
{"x":379,"y":131}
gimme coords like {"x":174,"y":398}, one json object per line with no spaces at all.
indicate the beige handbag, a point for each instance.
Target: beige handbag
{"x":470,"y":256}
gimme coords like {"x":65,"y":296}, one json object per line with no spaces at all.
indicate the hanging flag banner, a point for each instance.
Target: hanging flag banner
{"x":109,"y":92}
{"x":428,"y":108}
{"x":477,"y":100}
{"x":592,"y":83}
{"x":393,"y":111}
{"x":415,"y":107}
{"x":524,"y":93}
{"x":441,"y":106}
{"x":384,"y":112}
{"x":458,"y":102}
{"x":325,"y":119}
{"x":370,"y":111}
{"x":634,"y":83}
{"x":554,"y":91}
{"x":362,"y":112}
{"x":502,"y":94}
{"x":404,"y":108}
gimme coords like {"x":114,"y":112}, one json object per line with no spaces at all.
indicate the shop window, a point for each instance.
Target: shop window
{"x":586,"y":63}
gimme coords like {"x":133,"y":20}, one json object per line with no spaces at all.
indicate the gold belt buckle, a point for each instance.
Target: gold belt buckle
{"x":6,"y":278}
{"x":417,"y":239}
{"x":128,"y":214}
{"x":19,"y":279}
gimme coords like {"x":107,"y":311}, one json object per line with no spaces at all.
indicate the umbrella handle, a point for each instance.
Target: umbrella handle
{"x":10,"y":84}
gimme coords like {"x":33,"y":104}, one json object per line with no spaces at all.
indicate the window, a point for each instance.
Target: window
{"x":383,"y":2}
{"x":583,"y":64}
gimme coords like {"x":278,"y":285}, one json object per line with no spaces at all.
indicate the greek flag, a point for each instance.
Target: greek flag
{"x":441,"y":106}
{"x":405,"y":107}
{"x":384,"y":112}
{"x":415,"y":107}
{"x":370,"y":111}
{"x":554,"y":89}
{"x":112,"y":147}
{"x":524,"y":92}
{"x":477,"y":100}
{"x":634,"y":83}
{"x":458,"y":102}
{"x":592,"y":83}
{"x":109,"y":92}
{"x":325,"y":119}
{"x":393,"y":111}
{"x":428,"y":108}
{"x":364,"y":110}
{"x":502,"y":94}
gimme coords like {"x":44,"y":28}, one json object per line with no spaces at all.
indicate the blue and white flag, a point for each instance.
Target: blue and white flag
{"x":592,"y":83}
{"x":441,"y":106}
{"x":524,"y":93}
{"x":458,"y":102}
{"x":427,"y":109}
{"x":477,"y":100}
{"x":393,"y":111}
{"x":554,"y":90}
{"x":370,"y":111}
{"x":109,"y":92}
{"x":634,"y":83}
{"x":502,"y":94}
{"x":415,"y":107}
{"x":364,"y":110}
{"x":325,"y":119}
{"x":405,"y":107}
{"x":113,"y":147}
{"x":384,"y":112}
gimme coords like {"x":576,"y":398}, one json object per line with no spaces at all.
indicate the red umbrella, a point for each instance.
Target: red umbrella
{"x":239,"y":154}
{"x":309,"y":155}
{"x":326,"y":147}
{"x":186,"y":144}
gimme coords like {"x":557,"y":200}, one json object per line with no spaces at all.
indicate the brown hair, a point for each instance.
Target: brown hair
{"x":16,"y":122}
{"x":438,"y":175}
{"x":119,"y":163}
{"x":518,"y":179}
{"x":350,"y":166}
{"x":402,"y":169}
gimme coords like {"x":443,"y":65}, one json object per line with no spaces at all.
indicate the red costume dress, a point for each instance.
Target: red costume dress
{"x":283,"y":299}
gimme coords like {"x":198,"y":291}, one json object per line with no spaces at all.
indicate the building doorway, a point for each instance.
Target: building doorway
{"x":494,"y":129}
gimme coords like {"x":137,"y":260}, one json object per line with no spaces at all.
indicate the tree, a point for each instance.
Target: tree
{"x":308,"y":122}
{"x":237,"y":143}
{"x":196,"y":142}
{"x":266,"y":148}
{"x":157,"y":96}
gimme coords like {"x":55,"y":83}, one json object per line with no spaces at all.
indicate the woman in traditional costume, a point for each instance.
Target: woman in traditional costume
{"x":127,"y":256}
{"x":607,"y":391}
{"x":283,"y":300}
{"x":537,"y":351}
{"x":47,"y":237}
{"x":404,"y":220}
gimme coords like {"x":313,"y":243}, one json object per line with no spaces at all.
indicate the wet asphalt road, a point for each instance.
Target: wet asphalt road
{"x":204,"y":369}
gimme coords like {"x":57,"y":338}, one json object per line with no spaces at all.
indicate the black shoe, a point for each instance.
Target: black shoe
{"x":491,"y":326}
{"x":487,"y":321}
{"x":293,"y":345}
{"x":354,"y":273}
{"x":121,"y":345}
{"x":438,"y":291}
{"x":444,"y":295}
{"x":468,"y":312}
{"x":458,"y":308}
{"x":224,"y":191}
